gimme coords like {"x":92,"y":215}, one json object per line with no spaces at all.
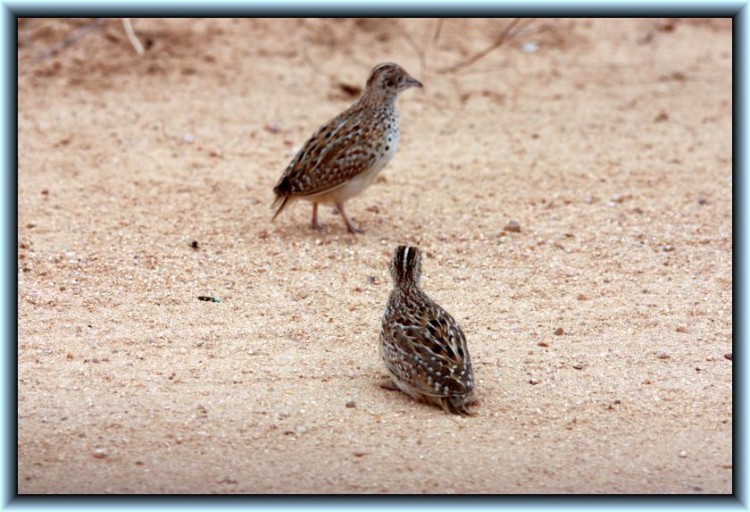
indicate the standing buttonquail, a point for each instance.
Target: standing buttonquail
{"x":422,"y":345}
{"x":345,"y":155}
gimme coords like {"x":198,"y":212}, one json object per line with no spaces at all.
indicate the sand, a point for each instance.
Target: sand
{"x":601,"y":332}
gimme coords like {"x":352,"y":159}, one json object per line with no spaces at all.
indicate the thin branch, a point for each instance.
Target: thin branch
{"x":71,"y":38}
{"x":309,"y":60}
{"x":437,"y":30}
{"x":417,"y":49}
{"x":501,"y":38}
{"x":431,"y":44}
{"x":132,"y":37}
{"x":24,"y":30}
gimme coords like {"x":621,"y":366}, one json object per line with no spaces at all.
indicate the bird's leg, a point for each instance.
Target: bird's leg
{"x":349,"y":224}
{"x":315,"y":224}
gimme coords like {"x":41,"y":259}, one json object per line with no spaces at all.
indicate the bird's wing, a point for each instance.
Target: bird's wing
{"x":434,"y":343}
{"x":332,"y":156}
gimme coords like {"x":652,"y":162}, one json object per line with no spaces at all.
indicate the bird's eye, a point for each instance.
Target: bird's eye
{"x":390,"y":83}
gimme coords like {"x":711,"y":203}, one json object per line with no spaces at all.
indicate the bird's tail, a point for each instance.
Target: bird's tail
{"x":278,"y":205}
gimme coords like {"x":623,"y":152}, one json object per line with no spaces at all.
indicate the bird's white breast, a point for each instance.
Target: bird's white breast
{"x":363,"y":180}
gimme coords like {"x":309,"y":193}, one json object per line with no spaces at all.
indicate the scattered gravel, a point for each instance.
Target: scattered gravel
{"x":99,"y":453}
{"x":513,"y":226}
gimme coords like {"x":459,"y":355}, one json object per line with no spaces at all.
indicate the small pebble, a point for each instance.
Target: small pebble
{"x":215,"y":153}
{"x":350,"y":89}
{"x":662,"y":355}
{"x":681,"y":329}
{"x":209,"y":299}
{"x":559,"y":331}
{"x":683,"y":454}
{"x":728,"y":355}
{"x":587,"y":199}
{"x":529,"y":47}
{"x":578,"y":366}
{"x":543,"y":344}
{"x":273,"y":127}
{"x":668,"y":25}
{"x":99,"y":453}
{"x":677,"y":76}
{"x":533,"y":382}
{"x":581,"y":296}
{"x":661,"y":117}
{"x":617,"y":198}
{"x":372,"y":280}
{"x":359,"y":454}
{"x":350,"y":404}
{"x":188,"y":139}
{"x":702,"y":200}
{"x":194,"y":244}
{"x":513,"y":227}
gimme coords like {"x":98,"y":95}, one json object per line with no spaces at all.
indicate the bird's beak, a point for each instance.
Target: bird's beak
{"x":413,"y":82}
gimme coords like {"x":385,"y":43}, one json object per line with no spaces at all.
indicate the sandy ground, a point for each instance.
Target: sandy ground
{"x":601,"y":333}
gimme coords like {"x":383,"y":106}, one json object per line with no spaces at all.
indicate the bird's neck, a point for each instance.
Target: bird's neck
{"x":377,"y":99}
{"x":408,"y":288}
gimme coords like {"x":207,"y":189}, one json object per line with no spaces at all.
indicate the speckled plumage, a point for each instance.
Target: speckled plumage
{"x":345,"y":155}
{"x":422,"y":345}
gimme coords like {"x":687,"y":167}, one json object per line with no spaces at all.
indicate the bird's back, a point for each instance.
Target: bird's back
{"x":425,"y":350}
{"x":351,"y":144}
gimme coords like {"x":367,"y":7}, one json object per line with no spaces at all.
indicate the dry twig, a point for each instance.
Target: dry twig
{"x":73,"y":37}
{"x":69,"y":39}
{"x":132,"y":37}
{"x":438,"y":28}
{"x":501,"y":38}
{"x":417,"y":49}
